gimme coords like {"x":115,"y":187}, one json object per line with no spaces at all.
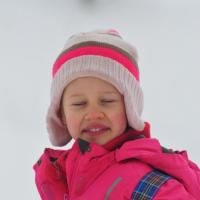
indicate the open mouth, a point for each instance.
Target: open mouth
{"x":96,"y":131}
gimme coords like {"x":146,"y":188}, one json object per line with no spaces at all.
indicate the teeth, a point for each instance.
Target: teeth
{"x":94,"y":129}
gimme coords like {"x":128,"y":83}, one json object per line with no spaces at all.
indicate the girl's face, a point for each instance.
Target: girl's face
{"x":93,"y":110}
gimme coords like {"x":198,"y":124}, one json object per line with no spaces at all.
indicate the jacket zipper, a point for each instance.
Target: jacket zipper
{"x":75,"y":172}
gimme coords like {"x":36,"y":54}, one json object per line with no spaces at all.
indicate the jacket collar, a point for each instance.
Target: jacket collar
{"x":117,"y":142}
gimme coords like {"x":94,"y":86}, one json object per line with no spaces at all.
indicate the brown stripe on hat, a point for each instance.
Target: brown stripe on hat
{"x":100,"y":44}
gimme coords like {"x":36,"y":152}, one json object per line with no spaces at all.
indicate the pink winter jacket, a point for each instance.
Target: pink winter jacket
{"x":112,"y":171}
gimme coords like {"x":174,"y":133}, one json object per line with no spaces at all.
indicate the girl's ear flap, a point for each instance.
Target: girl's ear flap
{"x":61,"y":115}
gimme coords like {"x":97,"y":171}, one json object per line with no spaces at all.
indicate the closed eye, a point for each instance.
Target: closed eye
{"x":108,"y":100}
{"x":79,"y":104}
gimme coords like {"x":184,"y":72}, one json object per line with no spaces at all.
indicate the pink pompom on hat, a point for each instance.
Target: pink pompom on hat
{"x":102,"y":54}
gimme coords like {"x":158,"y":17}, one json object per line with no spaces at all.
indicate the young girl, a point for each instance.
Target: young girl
{"x":96,"y":99}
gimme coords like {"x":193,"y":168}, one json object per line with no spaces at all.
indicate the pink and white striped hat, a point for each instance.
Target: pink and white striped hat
{"x":102,"y":54}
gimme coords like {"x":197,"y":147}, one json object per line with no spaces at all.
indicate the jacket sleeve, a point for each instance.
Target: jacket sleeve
{"x":183,"y":170}
{"x":173,"y":190}
{"x":178,"y":165}
{"x":50,"y":177}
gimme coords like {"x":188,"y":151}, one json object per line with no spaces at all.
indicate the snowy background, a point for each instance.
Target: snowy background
{"x":32,"y":34}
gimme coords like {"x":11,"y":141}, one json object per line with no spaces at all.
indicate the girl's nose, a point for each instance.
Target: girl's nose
{"x":94,"y":115}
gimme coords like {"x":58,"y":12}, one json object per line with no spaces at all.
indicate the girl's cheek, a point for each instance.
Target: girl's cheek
{"x":73,"y":125}
{"x":119,"y":120}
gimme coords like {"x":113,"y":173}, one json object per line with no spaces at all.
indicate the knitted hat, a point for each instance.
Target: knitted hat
{"x":102,"y":54}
